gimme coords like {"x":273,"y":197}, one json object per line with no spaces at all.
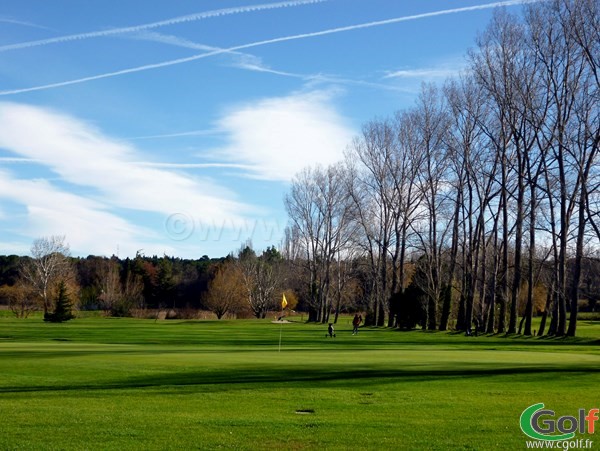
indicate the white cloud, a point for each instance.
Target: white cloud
{"x":81,"y":155}
{"x":89,"y":227}
{"x":277,"y":137}
{"x":85,"y":159}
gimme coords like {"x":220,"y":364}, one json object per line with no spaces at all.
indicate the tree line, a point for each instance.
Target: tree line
{"x":49,"y":279}
{"x":117,"y":286}
{"x":476,"y":203}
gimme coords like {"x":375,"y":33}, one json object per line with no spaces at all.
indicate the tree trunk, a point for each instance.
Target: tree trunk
{"x":546,"y":310}
{"x":447,"y":292}
{"x":574,"y":291}
{"x":531,"y":259}
{"x":517,"y":275}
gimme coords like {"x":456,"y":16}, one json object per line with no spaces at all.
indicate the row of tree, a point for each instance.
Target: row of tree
{"x":49,"y":279}
{"x":480,"y":198}
{"x":115,"y":285}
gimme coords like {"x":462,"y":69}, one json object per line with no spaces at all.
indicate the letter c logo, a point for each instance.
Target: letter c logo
{"x":529,"y":426}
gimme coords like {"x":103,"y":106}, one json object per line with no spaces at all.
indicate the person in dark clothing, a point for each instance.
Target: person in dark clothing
{"x":331,"y":330}
{"x":355,"y":323}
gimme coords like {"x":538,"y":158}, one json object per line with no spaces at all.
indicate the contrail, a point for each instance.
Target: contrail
{"x":267,"y":42}
{"x":20,"y":22}
{"x":205,"y":132}
{"x":162,"y":23}
{"x":18,"y":160}
{"x":195,"y":165}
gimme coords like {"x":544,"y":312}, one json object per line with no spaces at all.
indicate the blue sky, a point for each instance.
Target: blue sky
{"x":175,"y":127}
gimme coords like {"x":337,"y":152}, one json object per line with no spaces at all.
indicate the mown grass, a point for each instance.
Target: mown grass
{"x":98,"y":383}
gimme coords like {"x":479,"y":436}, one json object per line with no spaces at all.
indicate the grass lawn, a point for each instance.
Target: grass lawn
{"x":98,"y":383}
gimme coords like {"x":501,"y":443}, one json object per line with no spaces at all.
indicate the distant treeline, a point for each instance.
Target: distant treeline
{"x":165,"y":281}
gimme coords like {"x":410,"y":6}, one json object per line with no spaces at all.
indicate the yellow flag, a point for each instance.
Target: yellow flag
{"x":283,"y":302}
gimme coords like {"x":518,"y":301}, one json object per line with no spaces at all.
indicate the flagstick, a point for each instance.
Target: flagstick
{"x":280,"y":329}
{"x":283,"y":306}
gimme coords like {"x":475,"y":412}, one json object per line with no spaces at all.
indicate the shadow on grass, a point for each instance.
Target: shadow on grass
{"x":458,"y":336}
{"x":259,"y":377}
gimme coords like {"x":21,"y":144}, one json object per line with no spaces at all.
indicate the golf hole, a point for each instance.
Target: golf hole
{"x":305,"y":411}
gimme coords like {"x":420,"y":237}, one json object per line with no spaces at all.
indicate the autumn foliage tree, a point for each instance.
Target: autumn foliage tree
{"x":225,"y":291}
{"x":20,"y":299}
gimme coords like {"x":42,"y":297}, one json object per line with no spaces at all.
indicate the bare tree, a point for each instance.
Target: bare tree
{"x":475,"y":167}
{"x":586,"y":154}
{"x":431,"y":124}
{"x":476,"y":187}
{"x":568,"y":129}
{"x":110,"y":284}
{"x":580,"y":19}
{"x":260,"y":277}
{"x":374,"y":188}
{"x":49,"y":264}
{"x":320,"y":211}
{"x":405,"y":166}
{"x":119,"y":294}
{"x":507,"y":71}
{"x":304,"y":234}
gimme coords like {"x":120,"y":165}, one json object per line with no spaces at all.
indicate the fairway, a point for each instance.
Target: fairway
{"x":98,"y":383}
